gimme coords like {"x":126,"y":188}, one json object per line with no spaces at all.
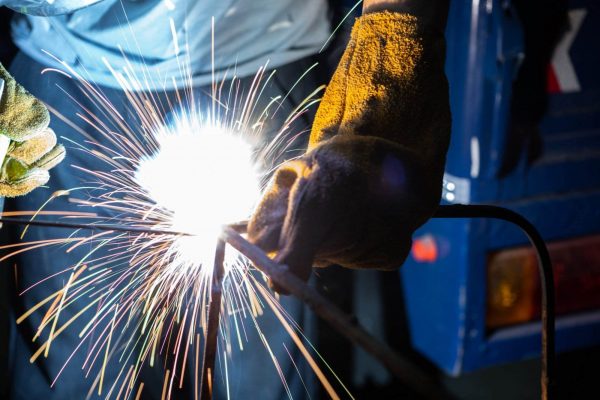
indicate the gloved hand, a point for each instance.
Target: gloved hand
{"x":29,"y":143}
{"x":374,"y":167}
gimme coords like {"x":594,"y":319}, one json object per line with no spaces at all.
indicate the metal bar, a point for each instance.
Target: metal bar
{"x":91,"y":227}
{"x":238,"y":226}
{"x":212,"y":326}
{"x":404,"y":369}
{"x":548,"y":379}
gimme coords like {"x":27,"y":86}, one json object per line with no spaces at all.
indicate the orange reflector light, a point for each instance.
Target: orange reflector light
{"x":513,"y":283}
{"x":424,"y":249}
{"x":513,"y":287}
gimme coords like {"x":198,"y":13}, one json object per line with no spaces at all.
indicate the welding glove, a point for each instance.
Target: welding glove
{"x":27,"y":145}
{"x":373,"y":170}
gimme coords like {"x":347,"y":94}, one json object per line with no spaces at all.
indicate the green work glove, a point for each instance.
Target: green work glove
{"x":27,"y":145}
{"x":374,"y":167}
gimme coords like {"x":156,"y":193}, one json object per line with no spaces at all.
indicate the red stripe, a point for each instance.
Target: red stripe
{"x":552,"y":85}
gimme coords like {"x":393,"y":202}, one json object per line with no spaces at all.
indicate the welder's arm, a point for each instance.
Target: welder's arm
{"x":374,"y":166}
{"x":46,"y":8}
{"x":28,"y":146}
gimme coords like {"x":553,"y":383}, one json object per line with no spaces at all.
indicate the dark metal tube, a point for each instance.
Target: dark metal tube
{"x":212,"y":325}
{"x":546,"y":275}
{"x":91,"y":227}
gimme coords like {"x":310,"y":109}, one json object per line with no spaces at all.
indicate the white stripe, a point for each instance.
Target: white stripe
{"x":561,"y":62}
{"x":474,"y":157}
{"x":174,"y":34}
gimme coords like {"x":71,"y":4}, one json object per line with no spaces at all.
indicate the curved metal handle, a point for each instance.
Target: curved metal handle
{"x":546,"y":275}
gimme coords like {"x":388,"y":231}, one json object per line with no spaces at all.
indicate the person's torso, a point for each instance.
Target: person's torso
{"x":166,"y":41}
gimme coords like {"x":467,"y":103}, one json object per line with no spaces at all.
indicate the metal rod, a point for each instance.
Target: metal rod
{"x":548,"y":381}
{"x":238,"y":226}
{"x":404,"y":369}
{"x":212,"y":326}
{"x":91,"y":227}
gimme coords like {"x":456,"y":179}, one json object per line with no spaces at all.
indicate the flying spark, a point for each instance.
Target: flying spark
{"x":144,"y":296}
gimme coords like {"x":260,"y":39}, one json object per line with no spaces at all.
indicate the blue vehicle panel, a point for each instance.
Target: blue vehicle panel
{"x":559,"y":194}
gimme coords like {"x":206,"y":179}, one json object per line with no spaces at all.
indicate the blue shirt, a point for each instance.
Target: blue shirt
{"x":166,"y":44}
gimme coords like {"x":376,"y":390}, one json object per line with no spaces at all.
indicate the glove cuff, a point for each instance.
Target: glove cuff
{"x":387,"y":24}
{"x":391,"y":84}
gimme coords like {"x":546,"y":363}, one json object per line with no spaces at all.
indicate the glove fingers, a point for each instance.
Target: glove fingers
{"x":32,"y":150}
{"x":357,"y":203}
{"x":264,"y":229}
{"x":280,"y":221}
{"x":24,"y":184}
{"x":309,"y":218}
{"x":51,"y":158}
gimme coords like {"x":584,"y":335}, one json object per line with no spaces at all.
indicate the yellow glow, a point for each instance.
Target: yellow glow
{"x":512,"y":292}
{"x":205,"y":177}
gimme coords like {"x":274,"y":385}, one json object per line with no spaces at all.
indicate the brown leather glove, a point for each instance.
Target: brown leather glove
{"x":374,"y":166}
{"x":28,"y":147}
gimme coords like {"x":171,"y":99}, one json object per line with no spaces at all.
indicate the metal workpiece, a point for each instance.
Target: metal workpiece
{"x":212,"y":325}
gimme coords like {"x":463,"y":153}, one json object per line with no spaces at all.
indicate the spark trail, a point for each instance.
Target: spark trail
{"x":143,"y":297}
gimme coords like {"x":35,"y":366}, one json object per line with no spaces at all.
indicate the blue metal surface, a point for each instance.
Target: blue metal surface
{"x":559,"y":194}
